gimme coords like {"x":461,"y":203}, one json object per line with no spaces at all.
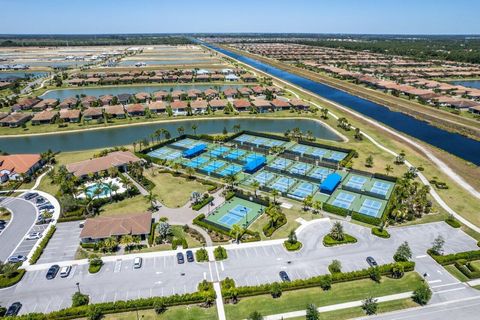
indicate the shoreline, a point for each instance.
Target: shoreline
{"x":330,"y":128}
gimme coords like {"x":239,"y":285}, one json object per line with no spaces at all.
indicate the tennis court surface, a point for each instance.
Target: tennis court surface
{"x":236,"y":211}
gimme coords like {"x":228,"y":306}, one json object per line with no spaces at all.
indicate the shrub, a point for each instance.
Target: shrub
{"x":202,"y":203}
{"x":328,"y":241}
{"x":366,"y":219}
{"x":13,"y":279}
{"x":335,"y":210}
{"x":454,"y":223}
{"x":220,"y":253}
{"x":276,"y":290}
{"x":94,"y":313}
{"x":255,"y":315}
{"x":95,"y":264}
{"x":79,"y":299}
{"x":335,"y":266}
{"x":325,"y":282}
{"x":292,"y":246}
{"x":451,"y":258}
{"x":312,"y":312}
{"x":380,"y":233}
{"x":38,"y":252}
{"x":422,"y":294}
{"x":201,"y":255}
{"x":159,"y":307}
{"x":227,"y":284}
{"x":370,"y":306}
{"x":3,"y":310}
{"x":404,"y":253}
{"x":375,"y":274}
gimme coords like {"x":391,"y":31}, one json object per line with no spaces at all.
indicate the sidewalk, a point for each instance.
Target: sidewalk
{"x":346,"y":305}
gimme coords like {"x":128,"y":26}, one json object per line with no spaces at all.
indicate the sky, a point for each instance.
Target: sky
{"x":272,"y":16}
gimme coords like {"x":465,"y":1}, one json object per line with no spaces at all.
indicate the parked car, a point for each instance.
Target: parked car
{"x":46,"y":206}
{"x":372,"y":262}
{"x":40,"y":200}
{"x":137,"y":263}
{"x":34,"y":236}
{"x":31,"y":195}
{"x":284,"y":276}
{"x":190,"y":257}
{"x":3,"y":222}
{"x":180,"y":258}
{"x":14,"y":309}
{"x":52,"y":271}
{"x":15,"y":259}
{"x":2,"y":226}
{"x":65,"y":271}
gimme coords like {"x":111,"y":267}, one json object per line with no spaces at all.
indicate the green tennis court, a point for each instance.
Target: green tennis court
{"x":236,"y":211}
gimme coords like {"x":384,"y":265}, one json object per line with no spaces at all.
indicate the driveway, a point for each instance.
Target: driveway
{"x":24,"y":215}
{"x":64,"y":243}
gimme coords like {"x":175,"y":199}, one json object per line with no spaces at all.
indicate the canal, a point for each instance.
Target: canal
{"x":456,"y":144}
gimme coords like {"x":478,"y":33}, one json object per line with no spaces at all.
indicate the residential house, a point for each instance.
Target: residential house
{"x":230,"y":92}
{"x":106,"y":99}
{"x":25,"y":104}
{"x":70,"y":115}
{"x":115,"y":111}
{"x":241,"y":104}
{"x":142,"y":96}
{"x":210,"y":93}
{"x":136,"y":109}
{"x":88,"y":101}
{"x":68,"y":103}
{"x":14,"y":166}
{"x":299,"y":104}
{"x":231,"y":77}
{"x":44,"y":117}
{"x":218,"y":104}
{"x":118,"y":159}
{"x":92,"y":114}
{"x":199,"y":106}
{"x":15,"y":119}
{"x":179,"y":106}
{"x":157,"y":107}
{"x":279,"y":104}
{"x":45,"y":104}
{"x":124,"y":98}
{"x":262,"y":105}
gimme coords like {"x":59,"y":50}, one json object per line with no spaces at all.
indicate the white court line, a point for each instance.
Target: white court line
{"x":221,"y":266}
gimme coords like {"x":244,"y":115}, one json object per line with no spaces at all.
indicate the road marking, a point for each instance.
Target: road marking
{"x":164,"y":262}
{"x":118,"y":266}
{"x":439,"y":271}
{"x":420,"y":257}
{"x":455,"y":289}
{"x":256,"y":252}
{"x":210,"y":269}
{"x":246,"y":252}
{"x":158,"y":282}
{"x":184,"y":288}
{"x":221,"y":266}
{"x":435,"y":281}
{"x":173,"y":290}
{"x":204,"y":276}
{"x":218,"y":274}
{"x":448,"y":284}
{"x":258,"y":281}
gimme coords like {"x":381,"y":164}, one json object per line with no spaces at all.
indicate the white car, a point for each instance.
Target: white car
{"x":65,"y":271}
{"x":137,"y":263}
{"x":34,"y":236}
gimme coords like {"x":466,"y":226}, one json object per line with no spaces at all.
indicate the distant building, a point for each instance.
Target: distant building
{"x":15,"y":165}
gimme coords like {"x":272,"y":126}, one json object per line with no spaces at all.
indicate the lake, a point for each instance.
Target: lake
{"x":467,"y":83}
{"x":168,"y":62}
{"x":111,"y":137}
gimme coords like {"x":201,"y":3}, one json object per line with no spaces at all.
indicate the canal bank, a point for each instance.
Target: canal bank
{"x":456,"y":144}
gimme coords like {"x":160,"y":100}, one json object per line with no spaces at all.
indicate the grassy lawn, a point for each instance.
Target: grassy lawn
{"x":339,"y":293}
{"x":292,"y":214}
{"x":5,"y":214}
{"x":172,"y":313}
{"x":136,"y":204}
{"x":173,"y":192}
{"x":358,"y":312}
{"x":456,"y":273}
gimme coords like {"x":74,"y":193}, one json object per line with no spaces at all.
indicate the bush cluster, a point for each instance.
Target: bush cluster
{"x":203,"y":203}
{"x":366,"y":219}
{"x":335,"y":210}
{"x":201,"y":255}
{"x":468,"y":269}
{"x":13,"y":279}
{"x":452,"y":258}
{"x":220,"y":253}
{"x":292,"y":246}
{"x":328,"y":241}
{"x":453,"y":222}
{"x":380,"y":233}
{"x":179,"y":242}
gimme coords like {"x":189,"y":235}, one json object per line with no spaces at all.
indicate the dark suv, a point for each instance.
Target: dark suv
{"x":13,"y":309}
{"x":284,"y":276}
{"x":52,"y":272}
{"x":371,"y":262}
{"x":190,"y":257}
{"x":180,"y":258}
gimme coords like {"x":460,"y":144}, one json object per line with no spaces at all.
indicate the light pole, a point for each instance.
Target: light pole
{"x":78,"y":287}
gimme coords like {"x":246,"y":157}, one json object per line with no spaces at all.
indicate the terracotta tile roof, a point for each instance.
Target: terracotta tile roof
{"x":114,"y":110}
{"x":137,"y":107}
{"x":44,"y":116}
{"x":114,"y":159}
{"x":3,"y":115}
{"x":199,"y":104}
{"x":218,"y":103}
{"x":241,"y":103}
{"x":280,"y":103}
{"x":91,"y":112}
{"x":178,"y":105}
{"x":18,"y":163}
{"x":105,"y":227}
{"x":15,"y":117}
{"x":261,"y":103}
{"x":157,"y":105}
{"x":69,"y":114}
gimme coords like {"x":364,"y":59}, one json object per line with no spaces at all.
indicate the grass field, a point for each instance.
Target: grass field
{"x":339,"y":293}
{"x":136,"y":204}
{"x":173,"y":313}
{"x":173,"y":192}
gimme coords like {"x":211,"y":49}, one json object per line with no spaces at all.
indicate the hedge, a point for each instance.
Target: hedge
{"x":7,"y":282}
{"x":122,"y":306}
{"x":323,"y":281}
{"x":201,"y":222}
{"x":452,"y":258}
{"x":453,"y":222}
{"x":229,"y":195}
{"x":38,"y":252}
{"x":328,"y":241}
{"x":151,"y":236}
{"x":292,"y":246}
{"x":335,"y":210}
{"x":382,"y":234}
{"x":220,"y":253}
{"x":202,"y":203}
{"x":366,"y":219}
{"x":468,"y":269}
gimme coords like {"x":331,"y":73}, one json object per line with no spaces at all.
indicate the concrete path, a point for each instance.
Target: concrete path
{"x":219,"y":301}
{"x":473,"y":283}
{"x":334,"y":307}
{"x":140,"y":188}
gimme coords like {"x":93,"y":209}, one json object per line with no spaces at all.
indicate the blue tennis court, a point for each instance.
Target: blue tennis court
{"x":300,"y":148}
{"x":219,"y":151}
{"x":380,"y":187}
{"x":337,"y":156}
{"x":243,"y":138}
{"x":343,"y":200}
{"x":197,"y":162}
{"x":263,"y":177}
{"x":230,"y":169}
{"x":356,"y":182}
{"x":235,"y":215}
{"x":317,"y":152}
{"x":159,"y":153}
{"x":235,"y":154}
{"x":280,"y":163}
{"x":214,"y":166}
{"x":184,"y":143}
{"x":303,"y":190}
{"x":283,"y":184}
{"x":320,"y":173}
{"x":251,"y":157}
{"x":300,"y":168}
{"x":371,"y":208}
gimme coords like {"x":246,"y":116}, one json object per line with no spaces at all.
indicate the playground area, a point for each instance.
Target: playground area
{"x":236,"y":211}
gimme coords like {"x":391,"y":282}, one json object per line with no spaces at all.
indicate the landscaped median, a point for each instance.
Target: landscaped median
{"x":321,"y":290}
{"x":38,"y":252}
{"x":11,"y":278}
{"x":463,"y":265}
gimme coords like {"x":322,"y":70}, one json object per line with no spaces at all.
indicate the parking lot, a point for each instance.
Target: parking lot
{"x":117,"y":280}
{"x":63,"y":244}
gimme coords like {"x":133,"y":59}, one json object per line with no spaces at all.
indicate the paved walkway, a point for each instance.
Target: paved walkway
{"x":346,"y":305}
{"x":219,"y":301}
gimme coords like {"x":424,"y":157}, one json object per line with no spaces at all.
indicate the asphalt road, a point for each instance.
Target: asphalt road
{"x":248,"y":264}
{"x":23,"y":219}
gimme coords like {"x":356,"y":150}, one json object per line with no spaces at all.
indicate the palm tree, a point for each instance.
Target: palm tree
{"x":337,"y":231}
{"x":236,"y":232}
{"x":126,"y":240}
{"x":274,"y":194}
{"x":255,"y":185}
{"x":110,"y":185}
{"x":317,"y":206}
{"x":114,"y":188}
{"x":176,"y":166}
{"x":388,"y":169}
{"x":181,"y":130}
{"x":190,"y":171}
{"x":152,"y":198}
{"x":307,"y":202}
{"x":194,"y":128}
{"x":324,"y":113}
{"x":230,"y":180}
{"x":110,"y":244}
